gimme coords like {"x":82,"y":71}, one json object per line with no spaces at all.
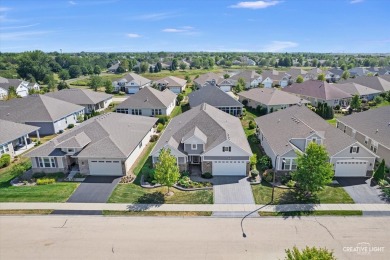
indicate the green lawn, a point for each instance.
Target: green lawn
{"x":157,"y":213}
{"x":312,"y":213}
{"x":179,"y":73}
{"x":383,"y":104}
{"x":133,"y":193}
{"x":332,"y":194}
{"x":332,"y":121}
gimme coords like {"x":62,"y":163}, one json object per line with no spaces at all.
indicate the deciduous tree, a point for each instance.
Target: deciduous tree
{"x":167,"y":171}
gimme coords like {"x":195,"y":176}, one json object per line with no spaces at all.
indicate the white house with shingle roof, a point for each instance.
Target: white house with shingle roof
{"x":357,"y":89}
{"x":21,"y":87}
{"x":50,"y":114}
{"x":149,"y":102}
{"x":287,"y":132}
{"x":252,"y":78}
{"x":208,"y":138}
{"x":131,"y":83}
{"x":106,"y":145}
{"x":174,"y":84}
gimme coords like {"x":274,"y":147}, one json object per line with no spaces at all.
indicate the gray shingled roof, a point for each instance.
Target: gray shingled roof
{"x":336,"y":71}
{"x":385,"y":77}
{"x":80,"y":96}
{"x":270,"y":97}
{"x":10,"y":131}
{"x":112,"y":135}
{"x":195,"y":132}
{"x":172,"y":81}
{"x":212,"y":95}
{"x":149,"y":97}
{"x":368,"y":122}
{"x":300,"y":122}
{"x":247,"y":75}
{"x":6,"y":83}
{"x":215,"y":124}
{"x":295,"y":72}
{"x":135,"y":77}
{"x":317,"y":89}
{"x":356,"y":89}
{"x":78,"y":141}
{"x":36,"y":108}
{"x":374,"y":82}
{"x":202,"y":79}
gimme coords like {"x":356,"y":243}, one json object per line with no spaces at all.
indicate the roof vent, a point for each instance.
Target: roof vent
{"x":278,"y":120}
{"x":377,"y":130}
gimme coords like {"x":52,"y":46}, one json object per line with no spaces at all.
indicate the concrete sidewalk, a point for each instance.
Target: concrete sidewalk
{"x":195,"y":207}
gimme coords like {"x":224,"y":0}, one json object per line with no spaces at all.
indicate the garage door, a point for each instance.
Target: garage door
{"x":105,"y":167}
{"x":226,"y":88}
{"x":229,"y":168}
{"x":175,"y":90}
{"x":351,"y":168}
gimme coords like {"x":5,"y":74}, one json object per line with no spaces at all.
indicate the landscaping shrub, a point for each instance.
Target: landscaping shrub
{"x":184,"y":182}
{"x":252,"y":125}
{"x":160,"y":127}
{"x":379,"y":174}
{"x":70,"y":126}
{"x":309,"y":253}
{"x":291,"y":184}
{"x":56,"y":175}
{"x":372,"y":103}
{"x":207,"y":175}
{"x":254,"y":139}
{"x":285,"y":179}
{"x":265,"y":163}
{"x":38,"y":175}
{"x":5,"y":160}
{"x":245,"y":102}
{"x":378,"y":99}
{"x":78,"y":175}
{"x":61,"y":131}
{"x":154,"y":138}
{"x":121,"y":93}
{"x":254,"y":173}
{"x":185,"y":173}
{"x":383,"y":183}
{"x":162,"y":119}
{"x":149,"y":175}
{"x":337,"y":107}
{"x":45,"y":181}
{"x":268,"y":176}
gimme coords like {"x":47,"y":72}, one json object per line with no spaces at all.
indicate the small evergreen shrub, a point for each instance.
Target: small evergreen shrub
{"x":207,"y":175}
{"x":45,"y":181}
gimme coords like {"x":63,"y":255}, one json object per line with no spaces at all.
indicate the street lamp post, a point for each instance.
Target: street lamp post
{"x":273,"y":182}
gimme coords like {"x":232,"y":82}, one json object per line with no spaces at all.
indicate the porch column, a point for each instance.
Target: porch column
{"x":25,"y":141}
{"x":37,"y":132}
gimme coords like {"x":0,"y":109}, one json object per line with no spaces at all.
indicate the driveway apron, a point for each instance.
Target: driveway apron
{"x":361,"y":191}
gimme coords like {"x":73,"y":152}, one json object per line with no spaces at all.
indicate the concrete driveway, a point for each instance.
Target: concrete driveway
{"x":95,"y":189}
{"x":360,"y":190}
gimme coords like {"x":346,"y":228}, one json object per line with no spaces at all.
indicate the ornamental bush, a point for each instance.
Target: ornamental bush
{"x":45,"y":181}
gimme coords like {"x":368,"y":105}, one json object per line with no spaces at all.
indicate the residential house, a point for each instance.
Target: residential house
{"x":385,"y":77}
{"x":216,"y":97}
{"x":358,"y":72}
{"x":378,"y":83}
{"x":148,"y":102}
{"x":90,"y":100}
{"x":252,"y":78}
{"x":272,"y":99}
{"x":334,"y":75}
{"x":208,"y":78}
{"x":371,"y":129}
{"x":274,"y":78}
{"x":14,"y":137}
{"x":287,"y":132}
{"x":106,"y":145}
{"x":208,"y":138}
{"x":293,"y":74}
{"x":131,"y":83}
{"x":114,"y":67}
{"x":50,"y":114}
{"x":317,"y":91}
{"x":21,"y":87}
{"x":313,"y":73}
{"x":174,"y":84}
{"x":357,"y":89}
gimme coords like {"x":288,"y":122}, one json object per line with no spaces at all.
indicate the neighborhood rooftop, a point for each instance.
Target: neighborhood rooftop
{"x":377,"y":83}
{"x":272,"y":96}
{"x":112,"y":135}
{"x":318,"y":89}
{"x":172,"y":81}
{"x":7,"y":83}
{"x":212,"y":95}
{"x":10,"y":131}
{"x":149,"y":97}
{"x":356,"y":89}
{"x":135,"y":77}
{"x":79,"y":96}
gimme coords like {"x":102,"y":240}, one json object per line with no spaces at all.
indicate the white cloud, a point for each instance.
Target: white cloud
{"x":154,"y":16}
{"x":188,"y":30}
{"x":133,"y":35}
{"x":355,"y":1}
{"x":23,"y":35}
{"x":173,"y":30}
{"x":255,"y":4}
{"x":18,"y":27}
{"x":72,"y":3}
{"x":4,"y":9}
{"x":278,"y":46}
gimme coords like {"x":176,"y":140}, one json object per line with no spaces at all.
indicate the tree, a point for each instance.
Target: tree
{"x":179,"y":98}
{"x":166,"y":172}
{"x":96,"y":82}
{"x":74,"y":71}
{"x":12,"y":93}
{"x":226,"y":76}
{"x":159,"y":66}
{"x":240,"y":85}
{"x":183,"y":66}
{"x":188,"y":78}
{"x":379,"y":174}
{"x":356,"y":102}
{"x":321,"y":77}
{"x":109,"y":88}
{"x":97,"y":70}
{"x":34,"y":64}
{"x":120,"y":69}
{"x":62,"y":85}
{"x":144,"y":66}
{"x":174,"y":64}
{"x":151,"y":69}
{"x":346,"y":75}
{"x":253,"y":161}
{"x":309,"y":253}
{"x":314,"y":170}
{"x":299,"y":79}
{"x":64,"y":74}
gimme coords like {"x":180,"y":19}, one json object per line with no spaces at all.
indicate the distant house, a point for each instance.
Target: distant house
{"x":148,"y":102}
{"x":114,"y":67}
{"x":106,"y":145}
{"x":293,"y":74}
{"x":21,"y":87}
{"x":90,"y":100}
{"x":313,"y":73}
{"x":272,"y":99}
{"x":272,"y":78}
{"x":50,"y":114}
{"x":131,"y":83}
{"x":174,"y":84}
{"x":14,"y":137}
{"x":358,"y":72}
{"x":385,"y":77}
{"x":216,"y":97}
{"x":317,"y":91}
{"x":214,"y":80}
{"x":252,"y":78}
{"x":378,"y":83}
{"x":334,"y":75}
{"x":207,"y":138}
{"x":357,"y":89}
{"x":287,"y":132}
{"x":371,"y":129}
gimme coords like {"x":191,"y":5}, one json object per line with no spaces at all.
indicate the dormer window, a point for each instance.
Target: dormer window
{"x":314,"y":140}
{"x":193,"y":146}
{"x":354,"y":149}
{"x":226,"y":149}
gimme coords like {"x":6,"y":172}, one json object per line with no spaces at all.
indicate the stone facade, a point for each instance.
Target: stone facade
{"x":207,"y":167}
{"x":183,"y":167}
{"x":83,"y":166}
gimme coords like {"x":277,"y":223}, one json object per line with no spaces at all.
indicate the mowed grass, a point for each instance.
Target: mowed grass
{"x":26,"y":212}
{"x":157,"y":213}
{"x":331,"y":194}
{"x":312,"y":213}
{"x":133,"y":193}
{"x":179,"y":73}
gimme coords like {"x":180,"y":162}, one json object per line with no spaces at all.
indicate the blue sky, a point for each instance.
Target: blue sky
{"x":190,"y":25}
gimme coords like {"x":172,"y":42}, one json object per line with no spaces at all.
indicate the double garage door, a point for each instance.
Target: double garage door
{"x":229,"y":168}
{"x":351,"y":168}
{"x":105,"y":167}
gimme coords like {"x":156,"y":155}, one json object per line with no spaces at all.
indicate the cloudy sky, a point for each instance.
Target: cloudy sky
{"x":195,"y":25}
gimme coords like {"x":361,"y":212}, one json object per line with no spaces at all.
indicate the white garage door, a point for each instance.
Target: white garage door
{"x":175,"y":90}
{"x":226,"y":88}
{"x":105,"y":167}
{"x":229,"y":168}
{"x":351,"y":168}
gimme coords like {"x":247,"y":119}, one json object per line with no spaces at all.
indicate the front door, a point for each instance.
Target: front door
{"x":195,"y":159}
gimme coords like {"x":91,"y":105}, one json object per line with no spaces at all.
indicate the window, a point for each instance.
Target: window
{"x":70,"y":150}
{"x":289,"y":164}
{"x":156,"y":112}
{"x":136,"y":112}
{"x":193,"y":146}
{"x":354,"y":149}
{"x":122,"y":110}
{"x":140,"y":145}
{"x":4,"y":148}
{"x":314,"y":140}
{"x":366,"y":140}
{"x":226,"y":149}
{"x":46,"y":162}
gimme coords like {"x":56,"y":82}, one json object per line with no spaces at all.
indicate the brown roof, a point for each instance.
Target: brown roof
{"x":269,"y":97}
{"x":317,"y":89}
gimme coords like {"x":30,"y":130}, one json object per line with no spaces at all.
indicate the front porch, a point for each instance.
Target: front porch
{"x":19,"y":149}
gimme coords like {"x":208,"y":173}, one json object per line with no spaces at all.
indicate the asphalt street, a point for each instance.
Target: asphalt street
{"x":98,"y":237}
